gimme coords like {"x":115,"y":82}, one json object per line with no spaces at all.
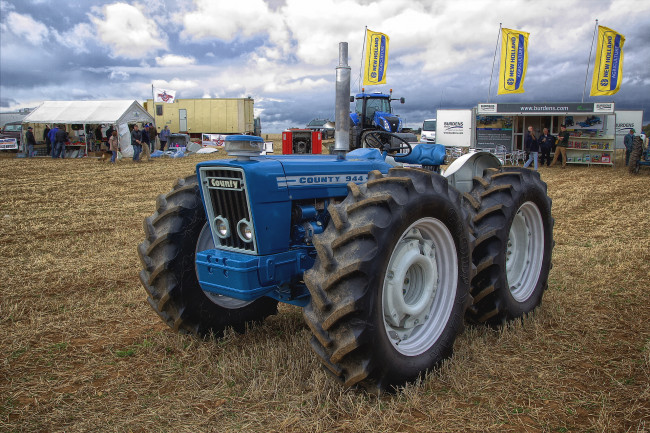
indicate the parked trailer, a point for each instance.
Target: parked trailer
{"x":211,"y":116}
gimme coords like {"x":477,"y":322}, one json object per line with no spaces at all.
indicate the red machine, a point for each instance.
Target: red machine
{"x":295,"y":141}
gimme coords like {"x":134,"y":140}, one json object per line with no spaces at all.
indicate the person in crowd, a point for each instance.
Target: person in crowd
{"x":546,"y":142}
{"x":46,"y":139}
{"x":52,"y":135}
{"x":136,"y":142}
{"x":99,"y":136}
{"x":628,"y":141}
{"x":563,"y":142}
{"x":146,"y":140}
{"x":528,"y":137}
{"x":30,"y":141}
{"x":532,"y":145}
{"x":113,"y":145}
{"x":109,"y":134}
{"x":164,"y":137}
{"x":60,"y":139}
{"x":153,"y":138}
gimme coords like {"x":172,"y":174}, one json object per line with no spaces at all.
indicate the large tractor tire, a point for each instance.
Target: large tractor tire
{"x":513,"y":228}
{"x":174,"y":234}
{"x":390,"y":284}
{"x":635,"y":156}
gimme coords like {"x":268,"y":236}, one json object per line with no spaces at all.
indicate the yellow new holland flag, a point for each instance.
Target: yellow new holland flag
{"x":376,"y":60}
{"x":514,"y":61}
{"x":608,"y":69}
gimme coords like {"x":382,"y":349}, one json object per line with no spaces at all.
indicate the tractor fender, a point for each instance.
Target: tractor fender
{"x":461,"y":172}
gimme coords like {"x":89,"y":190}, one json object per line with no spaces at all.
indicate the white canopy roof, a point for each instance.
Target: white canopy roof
{"x":89,"y":112}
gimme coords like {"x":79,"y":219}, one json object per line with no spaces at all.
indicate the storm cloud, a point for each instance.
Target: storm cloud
{"x":283,"y":54}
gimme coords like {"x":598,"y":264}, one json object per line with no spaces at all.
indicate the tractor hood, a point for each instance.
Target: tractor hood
{"x":387,"y":121}
{"x":268,"y":186}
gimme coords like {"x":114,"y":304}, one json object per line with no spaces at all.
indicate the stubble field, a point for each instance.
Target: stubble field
{"x":83,"y":351}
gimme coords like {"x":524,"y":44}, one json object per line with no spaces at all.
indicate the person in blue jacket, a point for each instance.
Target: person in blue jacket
{"x":52,"y":135}
{"x":628,"y":141}
{"x":546,"y":142}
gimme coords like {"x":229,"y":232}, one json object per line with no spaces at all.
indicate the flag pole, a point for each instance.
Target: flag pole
{"x":493,"y":60}
{"x":153,"y":106}
{"x":363,"y":49}
{"x":589,"y":61}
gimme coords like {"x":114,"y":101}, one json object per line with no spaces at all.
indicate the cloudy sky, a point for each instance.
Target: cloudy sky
{"x":283,"y":53}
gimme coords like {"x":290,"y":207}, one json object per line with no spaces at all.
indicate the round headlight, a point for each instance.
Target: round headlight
{"x":245,"y":230}
{"x":222,"y":227}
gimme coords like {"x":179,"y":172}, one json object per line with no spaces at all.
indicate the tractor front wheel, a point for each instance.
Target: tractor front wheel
{"x":174,"y":234}
{"x":390,"y":284}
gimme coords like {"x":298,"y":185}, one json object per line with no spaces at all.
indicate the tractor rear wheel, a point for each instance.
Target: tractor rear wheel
{"x":174,"y":234}
{"x":391,"y":281}
{"x":635,"y":157}
{"x":513,"y":228}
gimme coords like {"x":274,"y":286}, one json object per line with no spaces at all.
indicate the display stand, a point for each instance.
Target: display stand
{"x":590,"y":149}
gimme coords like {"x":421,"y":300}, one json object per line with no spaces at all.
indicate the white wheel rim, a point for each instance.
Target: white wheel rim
{"x":524,"y":251}
{"x":205,"y":242}
{"x":420,"y":286}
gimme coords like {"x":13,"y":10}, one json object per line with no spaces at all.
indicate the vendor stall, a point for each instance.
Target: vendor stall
{"x":82,"y":119}
{"x":591,"y":126}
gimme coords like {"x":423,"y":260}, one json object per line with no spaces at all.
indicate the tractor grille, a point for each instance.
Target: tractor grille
{"x":394,"y":123}
{"x":226,"y":198}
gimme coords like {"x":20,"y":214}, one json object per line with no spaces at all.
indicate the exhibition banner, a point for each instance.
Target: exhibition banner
{"x":376,"y":60}
{"x":514,"y":61}
{"x":162,"y":95}
{"x":608,"y":67}
{"x":546,"y":108}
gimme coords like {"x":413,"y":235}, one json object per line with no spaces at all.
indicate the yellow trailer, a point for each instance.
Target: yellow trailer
{"x":205,"y":115}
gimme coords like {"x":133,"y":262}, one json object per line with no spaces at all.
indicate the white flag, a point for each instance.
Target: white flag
{"x":162,"y":95}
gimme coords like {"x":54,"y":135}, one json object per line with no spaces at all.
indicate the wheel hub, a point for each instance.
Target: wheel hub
{"x":524,"y":251}
{"x":419,"y":286}
{"x":411,"y":283}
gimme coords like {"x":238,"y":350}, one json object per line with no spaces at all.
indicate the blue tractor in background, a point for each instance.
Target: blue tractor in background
{"x":387,"y":262}
{"x":373,"y":112}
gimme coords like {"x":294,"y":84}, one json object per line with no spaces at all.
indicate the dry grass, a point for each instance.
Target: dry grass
{"x":83,"y":351}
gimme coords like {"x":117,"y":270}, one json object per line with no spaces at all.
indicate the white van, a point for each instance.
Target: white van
{"x":428,"y":131}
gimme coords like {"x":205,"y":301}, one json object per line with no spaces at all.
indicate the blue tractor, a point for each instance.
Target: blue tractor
{"x":373,"y":112}
{"x":387,"y":262}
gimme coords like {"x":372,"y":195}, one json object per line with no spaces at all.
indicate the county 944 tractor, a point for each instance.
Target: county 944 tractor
{"x":387,"y":262}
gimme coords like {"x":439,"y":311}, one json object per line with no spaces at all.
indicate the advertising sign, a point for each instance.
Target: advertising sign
{"x":608,"y":66}
{"x":213,"y":140}
{"x":376,"y":61}
{"x":454,"y":128}
{"x":552,"y":108}
{"x":493,"y":130}
{"x":514,"y":61}
{"x":626,"y":120}
{"x":584,"y":122}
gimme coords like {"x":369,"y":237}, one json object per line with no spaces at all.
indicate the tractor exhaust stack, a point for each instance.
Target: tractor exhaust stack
{"x":342,"y":113}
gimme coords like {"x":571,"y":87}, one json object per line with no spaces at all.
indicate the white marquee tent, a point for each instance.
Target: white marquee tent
{"x":116,"y":112}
